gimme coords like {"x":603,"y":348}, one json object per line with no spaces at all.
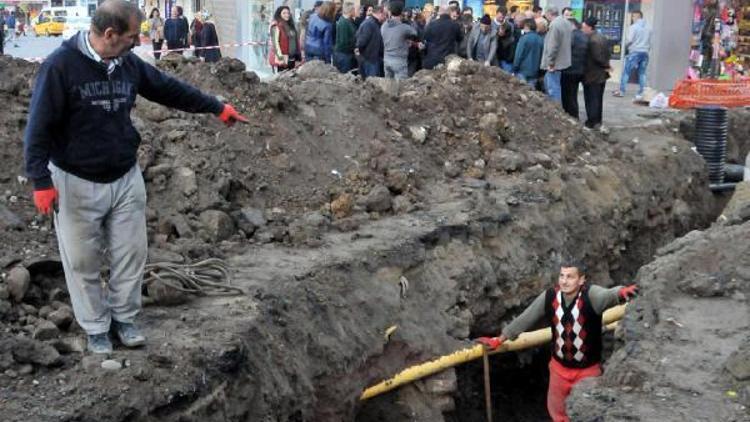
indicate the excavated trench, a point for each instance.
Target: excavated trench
{"x":519,"y":380}
{"x":481,"y":230}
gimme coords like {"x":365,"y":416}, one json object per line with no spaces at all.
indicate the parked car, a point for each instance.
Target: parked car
{"x":47,"y":25}
{"x":73,"y":24}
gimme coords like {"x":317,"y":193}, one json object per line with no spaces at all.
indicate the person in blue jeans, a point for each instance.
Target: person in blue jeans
{"x":638,"y":45}
{"x":369,"y":45}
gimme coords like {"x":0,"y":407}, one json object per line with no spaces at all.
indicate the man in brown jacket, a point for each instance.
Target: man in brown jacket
{"x":595,"y":74}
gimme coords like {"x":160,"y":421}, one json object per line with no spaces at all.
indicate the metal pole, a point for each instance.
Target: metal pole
{"x":487,"y":390}
{"x":624,"y":35}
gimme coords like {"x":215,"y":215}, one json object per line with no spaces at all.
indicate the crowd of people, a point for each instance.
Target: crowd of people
{"x":548,"y":49}
{"x":178,"y":34}
{"x":12,"y":26}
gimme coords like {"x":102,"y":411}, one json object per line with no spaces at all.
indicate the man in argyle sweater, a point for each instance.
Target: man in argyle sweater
{"x":574,"y":310}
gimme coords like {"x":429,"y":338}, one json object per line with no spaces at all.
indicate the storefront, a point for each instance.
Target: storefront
{"x":720,"y":42}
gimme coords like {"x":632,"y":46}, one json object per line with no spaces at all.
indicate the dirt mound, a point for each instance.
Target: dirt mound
{"x":686,"y":353}
{"x":461,"y":181}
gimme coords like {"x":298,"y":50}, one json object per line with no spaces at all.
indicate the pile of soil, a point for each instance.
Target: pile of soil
{"x":440,"y":205}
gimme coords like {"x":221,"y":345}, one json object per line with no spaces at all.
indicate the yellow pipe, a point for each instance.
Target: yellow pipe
{"x":524,"y":341}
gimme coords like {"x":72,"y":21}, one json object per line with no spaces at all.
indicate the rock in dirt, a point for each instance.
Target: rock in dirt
{"x":218,"y":224}
{"x":506,"y":160}
{"x":5,"y":308}
{"x":489,"y":122}
{"x":739,"y":365}
{"x":164,"y":294}
{"x":26,"y":350}
{"x":25,"y":370}
{"x":111,"y":365}
{"x":342,"y":206}
{"x":184,"y":180}
{"x":9,"y":220}
{"x":69,"y":345}
{"x":62,"y":318}
{"x":737,"y":210}
{"x":46,"y":330}
{"x":418,"y":133}
{"x":249,"y":219}
{"x":308,"y":226}
{"x":402,"y":204}
{"x":18,"y":282}
{"x":379,"y":199}
{"x":4,"y":294}
{"x":163,"y":255}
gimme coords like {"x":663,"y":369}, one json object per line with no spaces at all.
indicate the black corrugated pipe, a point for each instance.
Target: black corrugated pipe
{"x":734,"y":172}
{"x":711,"y":130}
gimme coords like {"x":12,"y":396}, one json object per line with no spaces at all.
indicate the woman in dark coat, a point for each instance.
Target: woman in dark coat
{"x":196,"y":26}
{"x":209,"y":38}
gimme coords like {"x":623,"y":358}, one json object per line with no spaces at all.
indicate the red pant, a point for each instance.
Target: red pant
{"x":561,"y":381}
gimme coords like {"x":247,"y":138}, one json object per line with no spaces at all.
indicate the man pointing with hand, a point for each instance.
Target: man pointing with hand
{"x":574,"y":311}
{"x":80,"y":152}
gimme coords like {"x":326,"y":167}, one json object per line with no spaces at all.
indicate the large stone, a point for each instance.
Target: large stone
{"x":506,"y":160}
{"x":18,"y":282}
{"x":26,"y":350}
{"x":62,"y":318}
{"x":163,"y":255}
{"x":185,"y":180}
{"x":250,"y":219}
{"x":9,"y":220}
{"x":738,"y":365}
{"x":379,"y":199}
{"x":69,"y":345}
{"x":46,"y":330}
{"x":737,"y":210}
{"x":218,"y":224}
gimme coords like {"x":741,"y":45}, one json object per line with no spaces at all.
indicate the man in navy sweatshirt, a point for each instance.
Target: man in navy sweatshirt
{"x":80,"y":152}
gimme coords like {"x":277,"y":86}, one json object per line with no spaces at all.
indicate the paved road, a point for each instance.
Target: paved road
{"x":32,"y":47}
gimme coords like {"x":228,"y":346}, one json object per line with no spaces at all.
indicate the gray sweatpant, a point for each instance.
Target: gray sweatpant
{"x":96,"y":223}
{"x":396,"y":68}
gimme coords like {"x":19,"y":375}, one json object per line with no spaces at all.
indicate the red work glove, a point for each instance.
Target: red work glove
{"x":45,"y":200}
{"x":491,"y":343}
{"x":628,"y":292}
{"x":229,"y":115}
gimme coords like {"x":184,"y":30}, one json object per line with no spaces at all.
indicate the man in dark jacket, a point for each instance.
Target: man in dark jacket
{"x":441,"y":38}
{"x":343,"y":49}
{"x":80,"y":153}
{"x":572,"y":77}
{"x":595,"y":74}
{"x":370,"y":44}
{"x":528,"y":53}
{"x":573,"y":309}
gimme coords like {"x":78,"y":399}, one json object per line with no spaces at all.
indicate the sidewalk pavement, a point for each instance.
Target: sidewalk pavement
{"x":623,"y":112}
